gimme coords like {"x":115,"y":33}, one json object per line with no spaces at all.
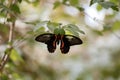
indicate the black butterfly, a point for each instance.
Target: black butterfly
{"x":52,"y":39}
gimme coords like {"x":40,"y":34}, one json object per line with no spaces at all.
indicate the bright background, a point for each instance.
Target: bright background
{"x":98,"y":58}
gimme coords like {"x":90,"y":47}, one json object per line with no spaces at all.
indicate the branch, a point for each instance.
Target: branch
{"x":5,"y":57}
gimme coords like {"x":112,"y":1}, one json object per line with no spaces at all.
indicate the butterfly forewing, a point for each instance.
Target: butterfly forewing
{"x":48,"y":39}
{"x":44,"y":37}
{"x":73,"y":40}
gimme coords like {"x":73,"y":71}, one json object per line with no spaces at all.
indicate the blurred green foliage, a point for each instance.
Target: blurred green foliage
{"x":105,"y":4}
{"x":21,"y":67}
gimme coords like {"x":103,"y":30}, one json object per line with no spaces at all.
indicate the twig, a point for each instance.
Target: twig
{"x":5,"y":57}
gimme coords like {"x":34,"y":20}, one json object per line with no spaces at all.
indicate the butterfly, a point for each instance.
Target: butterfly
{"x":52,"y":40}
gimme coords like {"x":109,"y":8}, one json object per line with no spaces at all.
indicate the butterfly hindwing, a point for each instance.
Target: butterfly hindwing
{"x":48,"y":39}
{"x":51,"y":44}
{"x":65,"y":45}
{"x":67,"y":41}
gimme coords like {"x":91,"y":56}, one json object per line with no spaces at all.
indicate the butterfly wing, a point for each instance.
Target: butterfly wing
{"x":44,"y":38}
{"x":65,"y":45}
{"x":67,"y":41}
{"x":48,"y":39}
{"x":73,"y":40}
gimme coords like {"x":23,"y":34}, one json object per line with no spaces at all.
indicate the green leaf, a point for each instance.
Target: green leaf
{"x":72,"y":31}
{"x":4,"y":28}
{"x":116,"y":26}
{"x":95,"y":1}
{"x":11,"y":19}
{"x":92,"y":2}
{"x":39,"y":27}
{"x":19,"y":1}
{"x":115,"y":8}
{"x":3,"y":76}
{"x":109,"y":5}
{"x":106,"y":27}
{"x":7,"y":51}
{"x":97,"y":32}
{"x":59,"y":31}
{"x":52,"y":25}
{"x":3,"y":10}
{"x":74,"y":2}
{"x":74,"y":28}
{"x":99,"y":7}
{"x":64,"y":1}
{"x":40,"y":30}
{"x":2,"y":1}
{"x":6,"y":10}
{"x":114,"y":1}
{"x":15,"y":56}
{"x":16,"y":76}
{"x":80,"y":8}
{"x":56,"y":4}
{"x":38,"y":23}
{"x":15,"y":8}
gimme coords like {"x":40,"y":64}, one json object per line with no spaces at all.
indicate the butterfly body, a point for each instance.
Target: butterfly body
{"x":52,"y":40}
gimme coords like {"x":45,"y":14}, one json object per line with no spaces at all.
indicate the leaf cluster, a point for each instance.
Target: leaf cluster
{"x":58,"y":27}
{"x":105,"y":4}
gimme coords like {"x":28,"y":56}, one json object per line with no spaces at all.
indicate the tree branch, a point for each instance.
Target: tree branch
{"x":5,"y":57}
